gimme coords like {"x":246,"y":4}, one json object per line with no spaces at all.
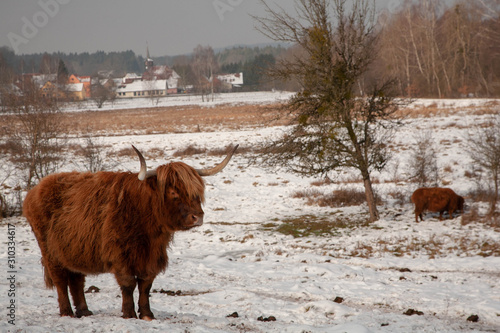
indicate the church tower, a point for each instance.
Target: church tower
{"x":148,"y":64}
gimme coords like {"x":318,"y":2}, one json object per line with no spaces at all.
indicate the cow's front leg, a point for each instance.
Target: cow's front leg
{"x":127,"y":285}
{"x":76,"y":286}
{"x":144,"y":288}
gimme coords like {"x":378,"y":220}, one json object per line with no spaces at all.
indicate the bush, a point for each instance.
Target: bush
{"x":189,"y":151}
{"x":423,"y":162}
{"x":339,"y":198}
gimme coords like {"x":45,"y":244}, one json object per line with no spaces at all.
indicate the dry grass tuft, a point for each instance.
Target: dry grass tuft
{"x":189,"y":151}
{"x":434,"y":246}
{"x":401,"y":197}
{"x":491,"y":220}
{"x":481,"y":194}
{"x":325,"y":181}
{"x":125,"y":152}
{"x":339,"y":198}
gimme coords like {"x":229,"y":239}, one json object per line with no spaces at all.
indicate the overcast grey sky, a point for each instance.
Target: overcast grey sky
{"x":170,"y":27}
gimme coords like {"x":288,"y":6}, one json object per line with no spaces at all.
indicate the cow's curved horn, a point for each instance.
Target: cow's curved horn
{"x":218,"y":167}
{"x":143,"y":173}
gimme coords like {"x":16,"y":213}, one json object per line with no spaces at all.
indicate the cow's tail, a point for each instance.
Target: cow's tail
{"x":46,"y":276}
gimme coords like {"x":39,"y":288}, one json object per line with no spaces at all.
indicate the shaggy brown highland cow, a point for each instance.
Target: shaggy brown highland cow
{"x":113,"y":222}
{"x":436,"y":199}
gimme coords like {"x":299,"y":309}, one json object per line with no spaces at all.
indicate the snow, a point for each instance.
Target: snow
{"x":183,"y":99}
{"x":142,"y":86}
{"x":238,"y":262}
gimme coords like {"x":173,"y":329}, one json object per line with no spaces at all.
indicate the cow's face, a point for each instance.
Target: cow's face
{"x":186,"y":213}
{"x":181,"y":190}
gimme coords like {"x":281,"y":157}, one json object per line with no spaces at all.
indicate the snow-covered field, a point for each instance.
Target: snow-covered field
{"x":238,"y":262}
{"x":260,"y":97}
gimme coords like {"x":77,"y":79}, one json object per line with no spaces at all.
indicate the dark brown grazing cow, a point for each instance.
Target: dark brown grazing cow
{"x":436,"y":199}
{"x":113,"y":222}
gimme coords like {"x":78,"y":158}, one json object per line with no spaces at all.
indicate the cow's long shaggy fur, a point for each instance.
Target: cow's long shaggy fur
{"x":436,"y":199}
{"x":92,"y":223}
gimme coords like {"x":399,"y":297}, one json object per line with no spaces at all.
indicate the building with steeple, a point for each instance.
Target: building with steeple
{"x":156,"y":81}
{"x":163,"y":72}
{"x":148,"y":64}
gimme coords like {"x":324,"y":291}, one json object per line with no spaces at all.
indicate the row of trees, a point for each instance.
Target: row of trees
{"x":81,"y":63}
{"x":435,"y":50}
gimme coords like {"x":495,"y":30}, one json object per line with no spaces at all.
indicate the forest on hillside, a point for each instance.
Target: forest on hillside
{"x":429,"y":48}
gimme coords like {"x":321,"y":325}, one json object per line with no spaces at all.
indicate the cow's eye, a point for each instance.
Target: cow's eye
{"x":172,"y":194}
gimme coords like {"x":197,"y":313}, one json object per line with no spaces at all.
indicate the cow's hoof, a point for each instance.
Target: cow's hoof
{"x":129,"y":315}
{"x":66,"y":313}
{"x":83,"y":313}
{"x":146,"y":315}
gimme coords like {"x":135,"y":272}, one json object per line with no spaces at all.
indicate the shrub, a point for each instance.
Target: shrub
{"x":339,"y":198}
{"x":423,"y":162}
{"x":189,"y":151}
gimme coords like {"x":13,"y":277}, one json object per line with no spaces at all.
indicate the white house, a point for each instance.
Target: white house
{"x":130,"y":77}
{"x":234,"y":79}
{"x":138,"y":88}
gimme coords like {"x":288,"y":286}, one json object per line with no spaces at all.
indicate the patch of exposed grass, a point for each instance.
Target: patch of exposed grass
{"x":312,"y":225}
{"x":268,"y":226}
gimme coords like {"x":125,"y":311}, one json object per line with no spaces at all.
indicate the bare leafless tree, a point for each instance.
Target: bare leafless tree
{"x":205,"y":66}
{"x":92,"y":155}
{"x":422,"y":165}
{"x":99,"y":93}
{"x":36,"y":138}
{"x":443,"y":49}
{"x":484,"y":150}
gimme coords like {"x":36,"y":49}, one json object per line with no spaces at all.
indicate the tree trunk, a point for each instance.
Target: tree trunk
{"x":370,"y":199}
{"x":494,"y":200}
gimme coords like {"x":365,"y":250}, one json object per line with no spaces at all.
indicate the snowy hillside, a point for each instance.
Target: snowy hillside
{"x":239,"y":273}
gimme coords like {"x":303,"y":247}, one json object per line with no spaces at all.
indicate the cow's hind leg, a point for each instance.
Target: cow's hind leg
{"x":76,"y":286}
{"x":144,"y":288}
{"x":127,"y":285}
{"x":59,"y":278}
{"x":418,"y":213}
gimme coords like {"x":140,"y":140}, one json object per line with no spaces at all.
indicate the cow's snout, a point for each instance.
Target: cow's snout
{"x":195,"y":220}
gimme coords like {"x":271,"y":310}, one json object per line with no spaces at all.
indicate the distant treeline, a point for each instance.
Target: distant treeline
{"x":78,"y":63}
{"x":435,"y":50}
{"x":122,"y":62}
